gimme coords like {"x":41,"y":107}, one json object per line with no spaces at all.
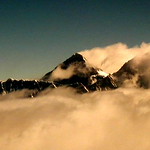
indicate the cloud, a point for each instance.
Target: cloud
{"x":62,"y":119}
{"x":59,"y":73}
{"x":111,"y":58}
{"x":108,"y":120}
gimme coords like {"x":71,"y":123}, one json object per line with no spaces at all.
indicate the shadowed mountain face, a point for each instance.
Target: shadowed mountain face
{"x":75,"y":72}
{"x":136,"y":71}
{"x":69,"y":67}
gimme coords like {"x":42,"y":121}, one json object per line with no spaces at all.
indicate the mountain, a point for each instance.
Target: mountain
{"x":32,"y":87}
{"x":74,"y":72}
{"x":136,"y":72}
{"x":77,"y":73}
{"x":67,"y":66}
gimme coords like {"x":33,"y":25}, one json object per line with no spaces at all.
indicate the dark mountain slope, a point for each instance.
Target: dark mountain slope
{"x":136,"y":71}
{"x":77,"y":73}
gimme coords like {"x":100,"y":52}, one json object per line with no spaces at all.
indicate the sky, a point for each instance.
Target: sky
{"x":37,"y":35}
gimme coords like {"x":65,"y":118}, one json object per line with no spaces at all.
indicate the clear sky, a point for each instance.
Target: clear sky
{"x":36,"y":35}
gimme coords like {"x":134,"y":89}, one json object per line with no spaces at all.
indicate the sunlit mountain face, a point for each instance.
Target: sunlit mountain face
{"x":95,"y":99}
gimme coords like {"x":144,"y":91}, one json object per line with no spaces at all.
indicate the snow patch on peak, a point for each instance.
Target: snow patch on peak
{"x":102,"y":73}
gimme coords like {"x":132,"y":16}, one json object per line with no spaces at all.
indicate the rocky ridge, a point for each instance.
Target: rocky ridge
{"x":75,"y":72}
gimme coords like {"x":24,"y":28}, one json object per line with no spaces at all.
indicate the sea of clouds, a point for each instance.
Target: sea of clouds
{"x":61,"y":119}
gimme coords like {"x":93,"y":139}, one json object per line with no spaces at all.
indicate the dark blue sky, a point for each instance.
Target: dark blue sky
{"x":36,"y":35}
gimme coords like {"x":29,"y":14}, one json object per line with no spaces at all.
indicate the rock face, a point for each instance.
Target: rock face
{"x":77,"y":73}
{"x":33,"y":86}
{"x":74,"y":72}
{"x":136,"y":71}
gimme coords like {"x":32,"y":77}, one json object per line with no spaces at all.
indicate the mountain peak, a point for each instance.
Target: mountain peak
{"x":75,"y":58}
{"x":67,"y":68}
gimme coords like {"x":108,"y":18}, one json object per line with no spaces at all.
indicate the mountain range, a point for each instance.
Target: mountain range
{"x":77,"y":73}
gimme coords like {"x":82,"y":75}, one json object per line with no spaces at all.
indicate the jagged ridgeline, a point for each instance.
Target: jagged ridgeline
{"x":74,"y":72}
{"x":77,"y":73}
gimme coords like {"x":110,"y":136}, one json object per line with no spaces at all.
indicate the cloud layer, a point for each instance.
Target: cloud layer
{"x":61,"y":119}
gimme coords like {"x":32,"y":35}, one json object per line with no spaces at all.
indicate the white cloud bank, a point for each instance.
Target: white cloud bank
{"x":111,"y":58}
{"x":62,"y":120}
